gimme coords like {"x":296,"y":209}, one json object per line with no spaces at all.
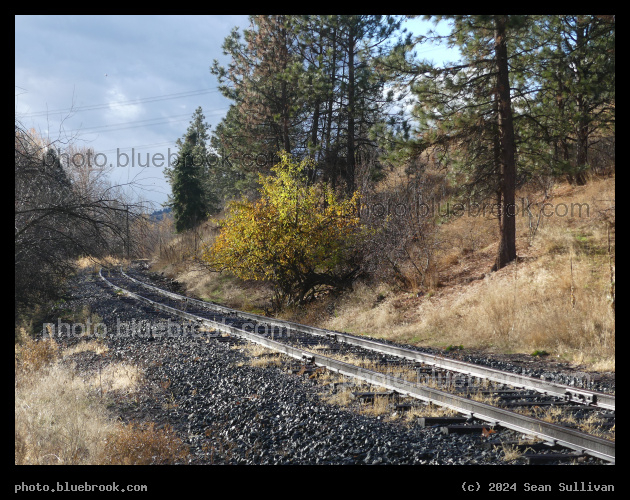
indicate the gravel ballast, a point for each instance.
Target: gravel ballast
{"x":230,"y":412}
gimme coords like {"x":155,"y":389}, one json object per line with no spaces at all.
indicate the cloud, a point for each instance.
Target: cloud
{"x":61,"y":62}
{"x":116,"y":111}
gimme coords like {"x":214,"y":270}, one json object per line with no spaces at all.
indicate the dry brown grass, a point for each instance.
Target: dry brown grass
{"x":60,"y":420}
{"x":260,"y":355}
{"x":342,"y":397}
{"x":378,"y":406}
{"x":55,"y":420}
{"x":224,"y":288}
{"x":511,"y":452}
{"x":557,"y":298}
{"x":557,"y":415}
{"x":94,"y":263}
{"x":32,"y":356}
{"x":522,"y":308}
{"x":404,"y":372}
{"x":354,"y":312}
{"x":119,"y":377}
{"x":95,"y":346}
{"x":428,"y":410}
{"x":177,"y":251}
{"x":136,"y":444}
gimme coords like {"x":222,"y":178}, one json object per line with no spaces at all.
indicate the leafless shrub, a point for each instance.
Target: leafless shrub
{"x":63,"y":210}
{"x":404,"y":239}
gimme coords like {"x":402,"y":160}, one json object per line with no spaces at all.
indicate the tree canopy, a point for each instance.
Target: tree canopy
{"x":194,"y":197}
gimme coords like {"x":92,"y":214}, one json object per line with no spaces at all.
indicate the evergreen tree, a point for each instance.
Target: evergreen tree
{"x":362,"y":40}
{"x":307,"y":85}
{"x":265,"y":114}
{"x":464,"y":112}
{"x":532,"y":90}
{"x":193,"y":193}
{"x":571,"y":77}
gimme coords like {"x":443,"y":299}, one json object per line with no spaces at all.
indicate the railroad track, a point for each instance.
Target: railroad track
{"x":441,"y":381}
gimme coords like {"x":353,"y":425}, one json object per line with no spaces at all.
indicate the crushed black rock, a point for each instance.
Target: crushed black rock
{"x":230,"y":412}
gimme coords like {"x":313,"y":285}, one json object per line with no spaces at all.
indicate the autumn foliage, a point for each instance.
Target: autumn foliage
{"x":298,"y":235}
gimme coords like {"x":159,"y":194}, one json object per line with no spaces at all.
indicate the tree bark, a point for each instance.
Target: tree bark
{"x":582,"y":132}
{"x":507,"y":220}
{"x":351,"y":99}
{"x":330,"y":165}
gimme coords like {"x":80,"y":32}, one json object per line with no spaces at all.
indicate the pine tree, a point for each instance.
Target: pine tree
{"x":465,"y":114}
{"x":193,"y":198}
{"x":571,"y":74}
{"x":266,"y":111}
{"x":506,"y":145}
{"x":305,"y":84}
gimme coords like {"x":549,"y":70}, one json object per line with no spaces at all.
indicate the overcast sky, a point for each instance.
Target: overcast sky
{"x":143,"y":77}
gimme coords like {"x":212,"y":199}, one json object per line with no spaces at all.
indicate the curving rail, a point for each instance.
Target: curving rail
{"x":573,"y":394}
{"x":552,"y":433}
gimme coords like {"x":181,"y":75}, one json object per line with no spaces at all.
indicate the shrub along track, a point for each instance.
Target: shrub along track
{"x":455,"y":391}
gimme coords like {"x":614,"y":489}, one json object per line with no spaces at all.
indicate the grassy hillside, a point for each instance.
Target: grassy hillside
{"x":557,"y":298}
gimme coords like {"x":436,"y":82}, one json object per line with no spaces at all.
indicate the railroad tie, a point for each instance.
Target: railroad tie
{"x":440,"y":421}
{"x":544,"y":458}
{"x":466,"y":429}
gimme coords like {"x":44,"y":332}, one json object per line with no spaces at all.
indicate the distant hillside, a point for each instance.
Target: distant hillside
{"x":161,"y":214}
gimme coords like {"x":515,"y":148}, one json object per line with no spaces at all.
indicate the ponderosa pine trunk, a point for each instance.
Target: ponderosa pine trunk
{"x":507,"y":219}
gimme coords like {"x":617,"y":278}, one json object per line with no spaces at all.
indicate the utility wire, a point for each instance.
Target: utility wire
{"x":164,"y":119}
{"x":126,"y":128}
{"x":142,"y":123}
{"x":164,"y":97}
{"x":142,"y":146}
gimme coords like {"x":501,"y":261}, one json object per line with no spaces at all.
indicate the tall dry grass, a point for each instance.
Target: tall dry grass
{"x":181,"y":258}
{"x":178,"y":250}
{"x":523,"y":308}
{"x":93,"y":264}
{"x":62,"y":419}
{"x":558,"y":299}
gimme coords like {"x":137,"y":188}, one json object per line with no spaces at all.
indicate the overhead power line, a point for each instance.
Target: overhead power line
{"x":164,"y":97}
{"x":142,"y":123}
{"x":141,"y":146}
{"x":158,"y":121}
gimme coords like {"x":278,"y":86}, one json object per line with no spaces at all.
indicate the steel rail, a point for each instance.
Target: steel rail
{"x":556,"y":434}
{"x":573,"y":394}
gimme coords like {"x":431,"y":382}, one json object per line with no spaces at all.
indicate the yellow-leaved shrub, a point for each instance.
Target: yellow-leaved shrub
{"x":299,"y":235}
